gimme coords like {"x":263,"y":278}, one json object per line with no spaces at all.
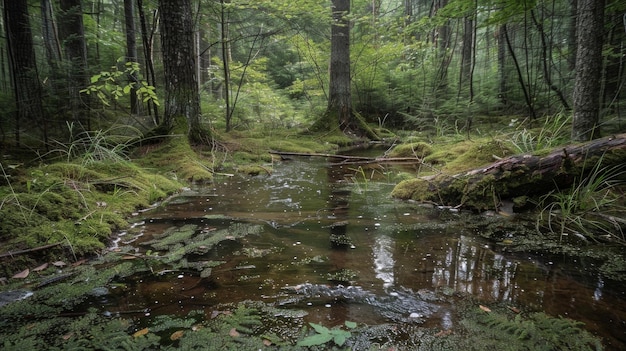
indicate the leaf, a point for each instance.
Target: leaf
{"x":59,"y":264}
{"x":234,"y":333}
{"x":317,"y":339}
{"x":23,"y":274}
{"x":177,"y":335}
{"x":350,"y":324}
{"x":267,"y":342}
{"x":320,"y":328}
{"x":40,"y":268}
{"x":141,"y":332}
{"x":485,"y":308}
{"x":339,"y":340}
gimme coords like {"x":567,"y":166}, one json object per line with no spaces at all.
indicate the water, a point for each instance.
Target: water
{"x":326,"y":225}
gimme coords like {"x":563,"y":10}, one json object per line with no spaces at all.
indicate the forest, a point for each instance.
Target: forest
{"x":498,"y":106}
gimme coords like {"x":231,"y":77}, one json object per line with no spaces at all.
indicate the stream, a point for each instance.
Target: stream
{"x":328,"y":240}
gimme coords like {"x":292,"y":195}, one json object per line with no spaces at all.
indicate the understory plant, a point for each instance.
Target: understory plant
{"x":590,"y":209}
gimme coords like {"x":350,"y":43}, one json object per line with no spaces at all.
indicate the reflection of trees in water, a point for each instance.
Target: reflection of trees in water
{"x":467,"y":268}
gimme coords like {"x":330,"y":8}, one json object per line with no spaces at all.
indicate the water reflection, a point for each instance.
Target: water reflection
{"x":393,"y":246}
{"x":384,"y":263}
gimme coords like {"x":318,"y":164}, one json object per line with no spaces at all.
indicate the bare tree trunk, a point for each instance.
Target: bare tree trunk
{"x":182,"y":99}
{"x":520,"y":77}
{"x":225,"y":44}
{"x":72,"y":33}
{"x":131,"y":51}
{"x":27,"y":88}
{"x":546,"y":59}
{"x":147,"y":39}
{"x":340,"y":97}
{"x":588,"y":69}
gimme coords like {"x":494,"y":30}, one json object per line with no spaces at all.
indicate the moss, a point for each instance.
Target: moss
{"x":418,"y":149}
{"x":415,"y":189}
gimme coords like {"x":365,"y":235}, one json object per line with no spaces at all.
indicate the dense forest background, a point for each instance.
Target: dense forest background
{"x":72,"y":65}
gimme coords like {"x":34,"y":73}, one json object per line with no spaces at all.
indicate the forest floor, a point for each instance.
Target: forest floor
{"x":58,"y":211}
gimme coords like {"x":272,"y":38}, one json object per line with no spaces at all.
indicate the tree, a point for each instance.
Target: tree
{"x":131,"y":49}
{"x":339,"y":95}
{"x":182,"y":98}
{"x":23,"y":70}
{"x":589,"y":34}
{"x":72,"y":35}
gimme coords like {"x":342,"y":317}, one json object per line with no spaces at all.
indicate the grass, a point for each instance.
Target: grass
{"x":590,"y":208}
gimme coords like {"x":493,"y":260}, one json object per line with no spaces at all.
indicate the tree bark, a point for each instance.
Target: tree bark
{"x":181,"y":86}
{"x":72,"y":34}
{"x":588,"y":69}
{"x":131,"y":51}
{"x":340,"y":98}
{"x":147,"y":38}
{"x":24,"y":74}
{"x":516,"y":176}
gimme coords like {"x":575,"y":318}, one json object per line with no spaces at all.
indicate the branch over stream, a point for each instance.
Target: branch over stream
{"x":347,"y":159}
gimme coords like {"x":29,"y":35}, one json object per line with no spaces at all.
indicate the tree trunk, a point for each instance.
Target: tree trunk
{"x":131,"y":51}
{"x":72,"y":34}
{"x":147,"y":39}
{"x":182,"y":98}
{"x":516,"y":176}
{"x":225,"y":46}
{"x":24,"y":74}
{"x":588,"y":69}
{"x":340,"y":98}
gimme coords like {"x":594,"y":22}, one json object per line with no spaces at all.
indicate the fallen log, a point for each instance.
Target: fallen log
{"x":516,"y":177}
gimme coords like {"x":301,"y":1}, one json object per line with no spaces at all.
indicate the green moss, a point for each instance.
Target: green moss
{"x":418,"y":149}
{"x":415,"y":189}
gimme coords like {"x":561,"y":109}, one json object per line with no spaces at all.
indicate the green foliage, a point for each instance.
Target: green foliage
{"x":535,"y":331}
{"x":324,"y":335}
{"x":589,"y":208}
{"x":112,"y":85}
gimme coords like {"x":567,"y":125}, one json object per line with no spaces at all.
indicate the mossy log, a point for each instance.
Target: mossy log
{"x":516,"y":177}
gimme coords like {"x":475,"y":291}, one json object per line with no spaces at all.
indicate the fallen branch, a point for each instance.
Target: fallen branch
{"x":21,"y":252}
{"x":348,"y":159}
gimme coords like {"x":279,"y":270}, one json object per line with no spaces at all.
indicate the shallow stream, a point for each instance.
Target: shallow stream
{"x":327,"y":239}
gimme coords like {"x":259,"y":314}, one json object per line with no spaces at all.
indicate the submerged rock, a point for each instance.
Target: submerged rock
{"x":403,"y":305}
{"x":6,"y":297}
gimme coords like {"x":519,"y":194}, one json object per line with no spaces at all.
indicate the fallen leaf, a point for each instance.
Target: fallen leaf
{"x":141,"y":332}
{"x":485,"y":308}
{"x":129,"y":257}
{"x":67,"y":336}
{"x":79,"y":262}
{"x":234,"y":333}
{"x":177,"y":335}
{"x":444,"y":333}
{"x":23,"y":274}
{"x":59,"y":264}
{"x":514,"y":309}
{"x":40,"y":268}
{"x":267,"y":342}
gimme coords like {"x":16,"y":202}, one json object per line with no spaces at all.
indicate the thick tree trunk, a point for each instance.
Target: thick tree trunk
{"x":588,"y":68}
{"x":340,"y":98}
{"x":24,"y":74}
{"x":179,"y":62}
{"x":516,"y":176}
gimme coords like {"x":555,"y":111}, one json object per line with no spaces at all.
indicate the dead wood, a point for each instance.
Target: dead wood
{"x":523,"y":175}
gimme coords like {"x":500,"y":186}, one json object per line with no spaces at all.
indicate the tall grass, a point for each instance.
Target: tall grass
{"x":590,"y":209}
{"x":553,"y":133}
